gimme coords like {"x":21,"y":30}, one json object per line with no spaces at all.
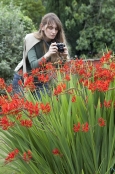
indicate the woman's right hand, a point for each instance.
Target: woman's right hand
{"x":52,"y":50}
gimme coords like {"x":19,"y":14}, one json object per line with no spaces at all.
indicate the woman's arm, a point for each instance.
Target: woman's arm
{"x":35,"y":61}
{"x":32,"y":57}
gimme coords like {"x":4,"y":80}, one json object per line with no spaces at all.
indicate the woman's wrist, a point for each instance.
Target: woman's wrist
{"x":46,"y":56}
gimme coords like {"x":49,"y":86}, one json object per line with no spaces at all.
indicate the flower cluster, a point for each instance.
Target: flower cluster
{"x":5,"y":123}
{"x":60,"y":88}
{"x":27,"y":156}
{"x":56,"y":151}
{"x":79,"y":111}
{"x":13,"y":109}
{"x":101,"y":122}
{"x":12,"y":156}
{"x":85,"y":127}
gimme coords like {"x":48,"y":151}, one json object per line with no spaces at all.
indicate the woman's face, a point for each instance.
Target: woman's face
{"x":50,"y":31}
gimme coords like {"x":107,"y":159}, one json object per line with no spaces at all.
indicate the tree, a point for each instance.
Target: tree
{"x":89,"y":25}
{"x":13,"y":28}
{"x":31,"y":8}
{"x":98,"y":32}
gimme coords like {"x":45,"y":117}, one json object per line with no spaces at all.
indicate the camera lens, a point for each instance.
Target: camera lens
{"x":60,"y":47}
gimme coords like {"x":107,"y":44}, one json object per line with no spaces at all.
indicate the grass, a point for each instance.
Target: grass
{"x":4,"y":169}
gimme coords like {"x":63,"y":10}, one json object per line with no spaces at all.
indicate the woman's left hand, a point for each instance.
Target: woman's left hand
{"x":65,"y":53}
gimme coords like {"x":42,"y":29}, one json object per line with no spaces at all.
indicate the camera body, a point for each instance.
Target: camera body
{"x":60,"y":47}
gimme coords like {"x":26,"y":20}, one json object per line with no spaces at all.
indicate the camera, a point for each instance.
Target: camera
{"x":60,"y":47}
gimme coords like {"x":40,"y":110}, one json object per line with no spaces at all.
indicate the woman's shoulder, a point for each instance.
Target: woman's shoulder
{"x":31,"y":37}
{"x":30,"y":41}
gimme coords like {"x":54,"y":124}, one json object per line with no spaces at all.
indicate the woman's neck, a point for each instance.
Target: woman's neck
{"x":47,"y":39}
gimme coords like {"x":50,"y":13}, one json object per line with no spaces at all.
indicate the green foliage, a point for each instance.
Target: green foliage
{"x":89,"y":25}
{"x":72,"y":26}
{"x":95,"y":22}
{"x":98,"y":31}
{"x":4,"y":168}
{"x":81,"y":151}
{"x":13,"y":28}
{"x":31,"y":8}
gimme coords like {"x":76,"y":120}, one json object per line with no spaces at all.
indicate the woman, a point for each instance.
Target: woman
{"x":42,"y":44}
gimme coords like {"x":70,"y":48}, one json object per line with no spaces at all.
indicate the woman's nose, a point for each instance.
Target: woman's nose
{"x":54,"y":30}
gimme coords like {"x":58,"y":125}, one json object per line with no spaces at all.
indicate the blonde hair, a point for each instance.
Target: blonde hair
{"x":48,"y":19}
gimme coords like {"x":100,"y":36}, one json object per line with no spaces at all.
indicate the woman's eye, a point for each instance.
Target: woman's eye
{"x":50,"y":27}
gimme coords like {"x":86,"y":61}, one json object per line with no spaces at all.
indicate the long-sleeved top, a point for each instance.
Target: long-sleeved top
{"x":35,"y":55}
{"x":29,"y":42}
{"x":32,"y":53}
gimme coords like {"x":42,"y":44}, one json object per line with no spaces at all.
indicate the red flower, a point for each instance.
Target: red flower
{"x":65,"y":67}
{"x":12,"y":106}
{"x":2,"y":83}
{"x":59,"y":89}
{"x":107,"y":104}
{"x":56,"y":151}
{"x":32,"y":109}
{"x":102,"y":85}
{"x":20,"y":82}
{"x":25,"y":75}
{"x":112,"y":65}
{"x":67,"y":77}
{"x":85,"y":127}
{"x":35,"y":71}
{"x":11,"y":156}
{"x":76,"y":128}
{"x":101,"y":122}
{"x":27,"y":156}
{"x":19,"y":116}
{"x":106,"y":57}
{"x":9,"y":88}
{"x":26,"y":123}
{"x":92,"y":86}
{"x":49,"y":66}
{"x":5,"y":123}
{"x":42,"y":62}
{"x":73,"y":99}
{"x":45,"y":108}
{"x":29,"y":83}
{"x":43,"y":78}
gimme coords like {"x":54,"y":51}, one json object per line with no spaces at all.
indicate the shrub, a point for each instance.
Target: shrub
{"x":33,"y":9}
{"x":13,"y":27}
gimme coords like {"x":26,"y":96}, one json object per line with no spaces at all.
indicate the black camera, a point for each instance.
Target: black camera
{"x":60,"y":47}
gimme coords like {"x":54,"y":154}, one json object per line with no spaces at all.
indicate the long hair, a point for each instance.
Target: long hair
{"x":47,"y":20}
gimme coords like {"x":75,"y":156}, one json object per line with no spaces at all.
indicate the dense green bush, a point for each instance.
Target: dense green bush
{"x":34,"y":9}
{"x":13,"y":27}
{"x":89,"y":25}
{"x":94,"y":23}
{"x":98,"y":32}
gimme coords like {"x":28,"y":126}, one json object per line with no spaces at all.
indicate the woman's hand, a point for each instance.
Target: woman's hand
{"x":52,"y":50}
{"x":65,"y":53}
